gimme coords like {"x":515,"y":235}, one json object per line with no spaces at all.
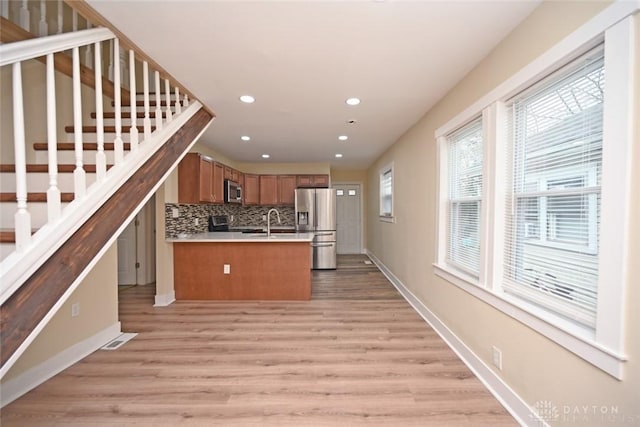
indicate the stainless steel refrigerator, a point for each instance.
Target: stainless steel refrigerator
{"x":316,"y":213}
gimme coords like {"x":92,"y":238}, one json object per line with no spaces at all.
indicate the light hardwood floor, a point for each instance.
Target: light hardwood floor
{"x":355,"y":354}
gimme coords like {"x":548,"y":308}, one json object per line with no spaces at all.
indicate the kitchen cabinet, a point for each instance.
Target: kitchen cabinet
{"x":287,"y":189}
{"x":251,"y":189}
{"x":268,"y":190}
{"x":232,"y":174}
{"x":195,"y":179}
{"x":319,"y":181}
{"x":217,"y":183}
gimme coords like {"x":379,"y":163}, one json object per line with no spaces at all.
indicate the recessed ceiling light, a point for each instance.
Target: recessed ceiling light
{"x":338,"y":156}
{"x":353,"y":101}
{"x":265,"y":156}
{"x":245,"y":138}
{"x":247,"y":99}
{"x":343,"y":137}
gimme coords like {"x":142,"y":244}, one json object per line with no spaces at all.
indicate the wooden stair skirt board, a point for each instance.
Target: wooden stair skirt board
{"x":27,"y":307}
{"x":10,"y":32}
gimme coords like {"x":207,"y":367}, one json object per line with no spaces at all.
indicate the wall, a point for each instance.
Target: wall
{"x":536,"y":368}
{"x":97,"y":296}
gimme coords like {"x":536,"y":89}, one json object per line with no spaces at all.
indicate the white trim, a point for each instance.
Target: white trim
{"x":615,"y":216}
{"x":507,"y":397}
{"x":578,"y":342}
{"x":163,"y":300}
{"x":381,"y":172}
{"x":41,"y":46}
{"x":30,"y":379}
{"x":162,"y":136}
{"x":576,"y":43}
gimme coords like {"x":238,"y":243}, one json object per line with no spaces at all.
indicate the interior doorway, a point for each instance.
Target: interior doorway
{"x":349,"y":218}
{"x":137,"y":248}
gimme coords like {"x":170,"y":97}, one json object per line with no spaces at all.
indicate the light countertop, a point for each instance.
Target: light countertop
{"x":237,"y":237}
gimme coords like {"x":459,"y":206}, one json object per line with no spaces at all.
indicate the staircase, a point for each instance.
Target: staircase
{"x":63,"y":208}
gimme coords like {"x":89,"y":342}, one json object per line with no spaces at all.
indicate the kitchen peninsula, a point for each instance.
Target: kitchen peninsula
{"x":242,"y":266}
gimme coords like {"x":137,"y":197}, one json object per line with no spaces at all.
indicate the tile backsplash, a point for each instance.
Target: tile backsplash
{"x":243,"y":216}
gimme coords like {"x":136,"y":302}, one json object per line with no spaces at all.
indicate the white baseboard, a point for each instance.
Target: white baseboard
{"x":513,"y":403}
{"x":28,"y":380}
{"x":163,"y":300}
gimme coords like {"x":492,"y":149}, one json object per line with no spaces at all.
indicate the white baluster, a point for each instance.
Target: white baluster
{"x":22,"y":215}
{"x":88,"y":54}
{"x":117,"y":142}
{"x":101,"y":158}
{"x":54,"y":206}
{"x":4,"y":9}
{"x":124,"y":70}
{"x":111,"y":65}
{"x":25,"y":17}
{"x":79,"y":175}
{"x":146,"y":122}
{"x":60,"y":17}
{"x":158,"y":102}
{"x":74,"y":20}
{"x":185,"y":103}
{"x":178,"y":103}
{"x":133,"y":131}
{"x":167,"y":89}
{"x":43,"y":26}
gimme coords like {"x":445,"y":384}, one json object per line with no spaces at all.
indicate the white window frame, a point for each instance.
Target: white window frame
{"x":604,"y":346}
{"x":386,"y":216}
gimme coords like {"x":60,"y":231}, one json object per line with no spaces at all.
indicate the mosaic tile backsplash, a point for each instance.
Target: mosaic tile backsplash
{"x":243,"y":216}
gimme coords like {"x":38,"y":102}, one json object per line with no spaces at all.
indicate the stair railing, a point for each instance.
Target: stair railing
{"x":32,"y":250}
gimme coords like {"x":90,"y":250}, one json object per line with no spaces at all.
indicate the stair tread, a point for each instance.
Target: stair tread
{"x":9,"y":235}
{"x":70,"y":146}
{"x":37,"y":167}
{"x":127,"y":115}
{"x":106,"y":129}
{"x":35,"y":197}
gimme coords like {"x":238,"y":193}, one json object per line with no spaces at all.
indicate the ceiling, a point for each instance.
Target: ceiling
{"x":302,"y":59}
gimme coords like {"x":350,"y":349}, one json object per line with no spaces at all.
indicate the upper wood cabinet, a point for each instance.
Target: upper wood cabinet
{"x":251,"y":189}
{"x":287,"y":189}
{"x":217,"y":183}
{"x":200,"y":180}
{"x":268,"y":189}
{"x":195,"y":173}
{"x":232,"y":174}
{"x":313,"y":181}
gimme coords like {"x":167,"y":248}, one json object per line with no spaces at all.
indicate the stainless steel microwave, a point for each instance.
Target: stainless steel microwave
{"x":232,"y":192}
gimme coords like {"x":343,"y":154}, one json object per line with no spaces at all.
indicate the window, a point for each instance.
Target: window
{"x":553,"y":209}
{"x":553,"y":198}
{"x":386,"y":192}
{"x":464,"y":153}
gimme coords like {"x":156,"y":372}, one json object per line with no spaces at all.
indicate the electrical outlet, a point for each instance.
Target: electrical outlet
{"x":75,"y":309}
{"x":231,"y":219}
{"x":175,"y":213}
{"x":497,"y":357}
{"x":227,"y":269}
{"x":264,"y":217}
{"x":196,"y":221}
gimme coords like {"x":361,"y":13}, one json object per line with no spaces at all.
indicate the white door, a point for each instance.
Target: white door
{"x":348,"y":218}
{"x":127,"y":255}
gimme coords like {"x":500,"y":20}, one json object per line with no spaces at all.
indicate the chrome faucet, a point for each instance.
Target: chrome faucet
{"x":269,"y":220}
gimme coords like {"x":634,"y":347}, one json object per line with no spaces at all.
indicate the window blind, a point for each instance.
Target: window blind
{"x":386,"y":193}
{"x":465,"y":196}
{"x":553,"y":209}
